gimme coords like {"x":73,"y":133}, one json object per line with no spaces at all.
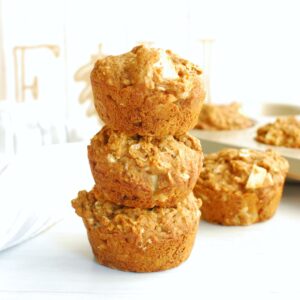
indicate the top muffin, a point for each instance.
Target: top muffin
{"x":147,"y":91}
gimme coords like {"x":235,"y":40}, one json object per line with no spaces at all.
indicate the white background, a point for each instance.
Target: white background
{"x":255,"y":55}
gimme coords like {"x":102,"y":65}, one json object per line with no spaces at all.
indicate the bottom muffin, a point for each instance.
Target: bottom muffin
{"x":241,"y":187}
{"x":135,"y":239}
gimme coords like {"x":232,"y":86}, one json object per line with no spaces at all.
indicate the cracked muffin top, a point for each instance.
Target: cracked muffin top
{"x":237,"y":170}
{"x":154,"y":69}
{"x":285,"y":131}
{"x":223,"y":117}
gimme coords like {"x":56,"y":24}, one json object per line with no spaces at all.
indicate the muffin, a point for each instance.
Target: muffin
{"x":285,"y":131}
{"x":147,"y":91}
{"x":144,"y":172}
{"x":223,"y":117}
{"x":138,"y":240}
{"x":241,"y":187}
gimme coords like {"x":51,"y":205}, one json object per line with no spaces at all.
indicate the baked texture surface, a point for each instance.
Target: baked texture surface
{"x":135,"y":239}
{"x":144,"y":172}
{"x":223,"y":117}
{"x":241,"y":187}
{"x":285,"y":132}
{"x":147,"y":91}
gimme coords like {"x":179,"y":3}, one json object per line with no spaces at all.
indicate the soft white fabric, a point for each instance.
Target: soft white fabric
{"x":36,"y":190}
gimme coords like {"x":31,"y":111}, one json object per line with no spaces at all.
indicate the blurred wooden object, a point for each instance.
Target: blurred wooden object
{"x":20,"y":70}
{"x":83,"y":74}
{"x":207,"y":53}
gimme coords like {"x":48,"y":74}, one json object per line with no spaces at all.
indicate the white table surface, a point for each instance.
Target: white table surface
{"x":256,"y":262}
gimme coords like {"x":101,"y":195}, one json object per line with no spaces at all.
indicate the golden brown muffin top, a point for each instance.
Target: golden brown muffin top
{"x":223,"y":117}
{"x":285,"y":131}
{"x":148,"y":225}
{"x":158,"y":155}
{"x":148,"y":67}
{"x":237,"y":170}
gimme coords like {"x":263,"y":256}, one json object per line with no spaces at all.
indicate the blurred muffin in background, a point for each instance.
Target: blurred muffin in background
{"x":285,"y":131}
{"x":223,"y":117}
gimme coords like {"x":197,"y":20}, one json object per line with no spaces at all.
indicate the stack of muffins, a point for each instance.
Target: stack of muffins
{"x":142,"y":215}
